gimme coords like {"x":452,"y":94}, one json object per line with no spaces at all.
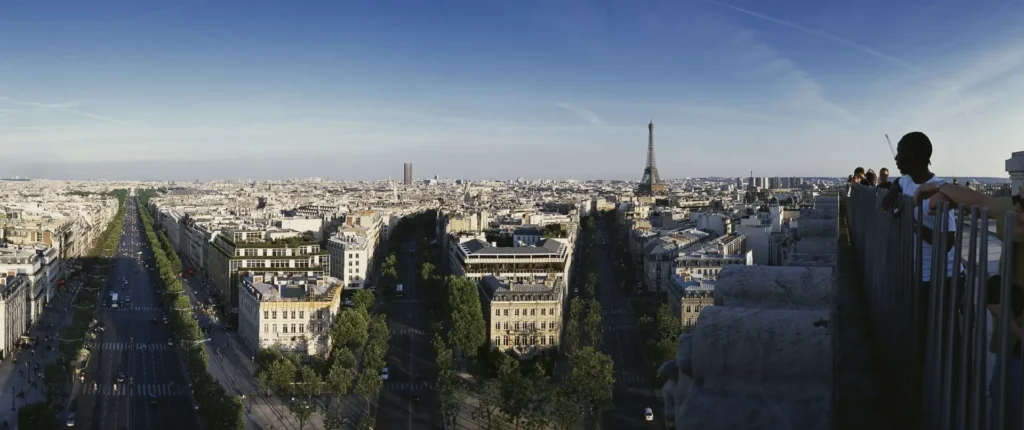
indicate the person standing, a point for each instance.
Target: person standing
{"x":883,"y":178}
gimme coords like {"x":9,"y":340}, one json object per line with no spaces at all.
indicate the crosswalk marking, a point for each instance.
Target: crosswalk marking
{"x":124,"y":389}
{"x":407,"y":331}
{"x":630,"y":379}
{"x":412,"y":301}
{"x":125,"y":346}
{"x":619,"y":327}
{"x":409,"y":386}
{"x":614,"y":312}
{"x":136,"y":309}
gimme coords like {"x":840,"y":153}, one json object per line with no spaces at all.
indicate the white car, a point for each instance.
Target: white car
{"x":384,"y":374}
{"x":648,"y":414}
{"x":71,"y":420}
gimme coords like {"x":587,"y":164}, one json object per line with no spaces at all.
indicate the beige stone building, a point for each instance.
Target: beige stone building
{"x":687,"y":295}
{"x":524,"y":318}
{"x":292,"y":314}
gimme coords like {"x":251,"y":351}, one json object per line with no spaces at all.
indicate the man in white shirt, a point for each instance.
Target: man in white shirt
{"x":913,"y":156}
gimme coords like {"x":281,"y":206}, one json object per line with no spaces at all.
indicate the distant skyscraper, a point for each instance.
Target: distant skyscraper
{"x":408,"y":174}
{"x":650,"y":184}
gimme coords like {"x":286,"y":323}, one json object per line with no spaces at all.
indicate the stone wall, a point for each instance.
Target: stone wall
{"x":761,"y":358}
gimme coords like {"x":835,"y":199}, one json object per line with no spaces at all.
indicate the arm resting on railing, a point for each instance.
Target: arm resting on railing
{"x":958,"y":196}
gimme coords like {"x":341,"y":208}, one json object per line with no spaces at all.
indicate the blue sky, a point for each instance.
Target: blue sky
{"x":481,"y":89}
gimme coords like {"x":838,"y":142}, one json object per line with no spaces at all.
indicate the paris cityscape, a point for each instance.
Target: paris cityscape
{"x":544,"y":215}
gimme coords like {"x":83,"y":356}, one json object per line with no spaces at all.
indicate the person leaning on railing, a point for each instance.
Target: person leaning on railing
{"x":997,"y":208}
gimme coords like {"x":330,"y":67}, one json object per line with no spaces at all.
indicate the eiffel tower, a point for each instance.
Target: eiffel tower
{"x":650,"y":184}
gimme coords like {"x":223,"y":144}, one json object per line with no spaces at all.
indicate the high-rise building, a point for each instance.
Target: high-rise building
{"x":408,"y":174}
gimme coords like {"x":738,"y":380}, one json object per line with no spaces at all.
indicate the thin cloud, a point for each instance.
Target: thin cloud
{"x":582,"y":112}
{"x":68,"y":107}
{"x":840,"y":40}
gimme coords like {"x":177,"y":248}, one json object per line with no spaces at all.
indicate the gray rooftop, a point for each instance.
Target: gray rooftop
{"x":479,"y":247}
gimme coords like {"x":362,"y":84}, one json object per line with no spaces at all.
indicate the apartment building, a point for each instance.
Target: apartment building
{"x":14,"y":312}
{"x":523,"y":317}
{"x":687,"y":295}
{"x":30,"y":262}
{"x":709,"y":258}
{"x":475,"y":258}
{"x":262,"y":253}
{"x":288,"y":313}
{"x":351,"y":258}
{"x":660,"y":254}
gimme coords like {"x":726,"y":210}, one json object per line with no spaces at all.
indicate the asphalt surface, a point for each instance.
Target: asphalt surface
{"x":623,"y":343}
{"x":410,"y":360}
{"x":154,"y":391}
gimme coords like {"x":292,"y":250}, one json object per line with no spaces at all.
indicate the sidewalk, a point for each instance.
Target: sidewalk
{"x":21,"y":378}
{"x":234,"y":369}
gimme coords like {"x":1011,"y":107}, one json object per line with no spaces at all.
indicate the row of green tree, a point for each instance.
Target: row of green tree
{"x":219,"y":409}
{"x":354,"y":333}
{"x":57,"y":375}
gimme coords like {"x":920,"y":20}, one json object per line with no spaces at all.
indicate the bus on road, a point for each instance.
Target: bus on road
{"x":398,"y":291}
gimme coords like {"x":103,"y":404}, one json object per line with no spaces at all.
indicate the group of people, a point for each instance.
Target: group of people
{"x":870,"y":178}
{"x":913,"y":159}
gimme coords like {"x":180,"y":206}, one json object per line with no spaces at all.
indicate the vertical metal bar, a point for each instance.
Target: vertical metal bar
{"x":936,"y":322}
{"x":950,"y":311}
{"x":973,"y":319}
{"x":963,"y":329}
{"x":982,"y":419}
{"x":1005,"y":311}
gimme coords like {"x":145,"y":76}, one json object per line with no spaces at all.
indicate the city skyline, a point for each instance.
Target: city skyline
{"x":225,"y":89}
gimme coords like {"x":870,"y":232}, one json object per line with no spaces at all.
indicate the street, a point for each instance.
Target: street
{"x":410,"y":360}
{"x":623,"y":343}
{"x":232,"y":365}
{"x":134,"y":379}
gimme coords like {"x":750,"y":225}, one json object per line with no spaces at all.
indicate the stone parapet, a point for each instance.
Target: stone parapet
{"x":762,"y":357}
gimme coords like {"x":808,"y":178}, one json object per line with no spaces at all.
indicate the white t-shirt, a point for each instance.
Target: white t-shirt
{"x":909,"y":189}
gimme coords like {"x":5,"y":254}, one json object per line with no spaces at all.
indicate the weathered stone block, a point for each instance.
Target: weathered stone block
{"x":801,"y":259}
{"x":713,"y":409}
{"x":762,"y":350}
{"x":774,"y":287}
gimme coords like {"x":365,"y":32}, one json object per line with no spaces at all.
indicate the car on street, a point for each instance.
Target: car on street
{"x":120,"y":377}
{"x":71,"y":420}
{"x":384,"y":374}
{"x":648,"y":414}
{"x":170,"y":342}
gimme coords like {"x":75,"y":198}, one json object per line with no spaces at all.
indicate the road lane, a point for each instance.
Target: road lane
{"x":153,"y":393}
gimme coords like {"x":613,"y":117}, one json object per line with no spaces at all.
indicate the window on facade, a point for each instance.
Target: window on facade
{"x":293,"y":314}
{"x":274,"y":314}
{"x":320,"y":314}
{"x":302,"y":328}
{"x":266,"y":328}
{"x":293,"y":328}
{"x":517,"y":340}
{"x":497,"y":312}
{"x":517,"y":325}
{"x":506,"y":340}
{"x":551,"y":340}
{"x":517,"y":312}
{"x":551,"y":312}
{"x":506,"y":325}
{"x":543,"y":325}
{"x":533,"y":340}
{"x":506,"y":312}
{"x":284,"y":328}
{"x":266,"y":314}
{"x":543,"y":312}
{"x":302,"y":315}
{"x":274,"y":326}
{"x":543,"y":340}
{"x":497,"y":326}
{"x":533,"y":312}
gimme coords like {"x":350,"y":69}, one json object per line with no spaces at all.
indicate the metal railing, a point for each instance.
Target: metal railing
{"x":932,"y":339}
